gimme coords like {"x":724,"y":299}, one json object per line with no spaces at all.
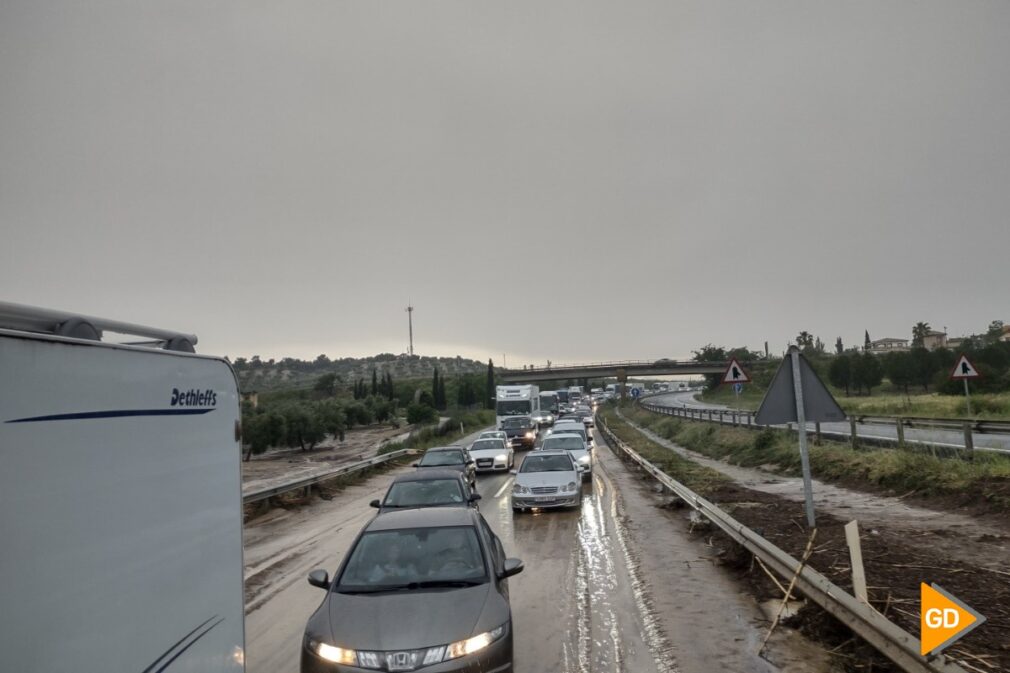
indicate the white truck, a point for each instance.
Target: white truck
{"x":515,"y":401}
{"x":575,"y":395}
{"x":120,"y":500}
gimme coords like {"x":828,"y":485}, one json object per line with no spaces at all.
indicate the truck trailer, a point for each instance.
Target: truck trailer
{"x":120,"y":499}
{"x":515,"y":401}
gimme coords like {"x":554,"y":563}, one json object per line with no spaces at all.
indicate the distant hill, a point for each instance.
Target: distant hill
{"x":290,"y":373}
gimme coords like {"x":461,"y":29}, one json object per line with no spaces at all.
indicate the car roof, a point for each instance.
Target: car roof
{"x":424,"y":517}
{"x":550,"y":452}
{"x":429,"y":475}
{"x":564,"y":423}
{"x":454,"y":447}
{"x":555,"y":435}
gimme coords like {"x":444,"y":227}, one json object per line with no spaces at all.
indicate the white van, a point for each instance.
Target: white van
{"x":120,"y":500}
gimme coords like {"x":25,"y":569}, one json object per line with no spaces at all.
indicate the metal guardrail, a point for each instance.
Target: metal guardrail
{"x":887,"y":637}
{"x":983,"y":427}
{"x":899,"y":423}
{"x":270,"y":491}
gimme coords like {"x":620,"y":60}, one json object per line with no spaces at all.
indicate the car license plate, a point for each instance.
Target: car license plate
{"x":545,"y":498}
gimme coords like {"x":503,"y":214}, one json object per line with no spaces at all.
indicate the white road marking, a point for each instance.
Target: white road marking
{"x":507,"y":484}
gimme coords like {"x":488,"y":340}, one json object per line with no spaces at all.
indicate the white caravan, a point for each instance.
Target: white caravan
{"x":515,"y":401}
{"x":120,"y":500}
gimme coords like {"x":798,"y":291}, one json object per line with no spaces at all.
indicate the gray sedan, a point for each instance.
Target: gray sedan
{"x":547,"y":479}
{"x":419,"y":589}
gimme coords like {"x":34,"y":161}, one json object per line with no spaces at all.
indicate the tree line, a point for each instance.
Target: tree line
{"x":302,"y":418}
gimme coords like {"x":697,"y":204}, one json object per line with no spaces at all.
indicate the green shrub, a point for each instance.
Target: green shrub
{"x":764,"y":440}
{"x":420,"y":413}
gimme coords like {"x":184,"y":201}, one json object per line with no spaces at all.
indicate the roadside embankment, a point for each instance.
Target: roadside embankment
{"x":897,"y":558}
{"x":981,"y":485}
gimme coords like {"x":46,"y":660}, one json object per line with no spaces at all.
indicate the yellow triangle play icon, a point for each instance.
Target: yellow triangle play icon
{"x":943,"y":619}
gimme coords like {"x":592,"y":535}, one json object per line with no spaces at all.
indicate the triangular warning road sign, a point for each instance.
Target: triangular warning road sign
{"x":779,"y":403}
{"x":735,"y":373}
{"x":943,"y":619}
{"x":964,"y":369}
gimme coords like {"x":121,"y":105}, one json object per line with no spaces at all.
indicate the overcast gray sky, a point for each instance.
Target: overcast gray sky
{"x":566,"y":180}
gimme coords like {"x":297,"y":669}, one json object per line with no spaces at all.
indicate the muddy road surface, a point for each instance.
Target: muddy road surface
{"x":617,"y":585}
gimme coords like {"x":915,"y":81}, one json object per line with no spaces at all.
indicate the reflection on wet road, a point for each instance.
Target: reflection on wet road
{"x":579,"y":606}
{"x":615,"y":586}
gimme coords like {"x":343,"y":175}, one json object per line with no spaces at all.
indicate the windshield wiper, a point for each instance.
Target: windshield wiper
{"x":431,"y":584}
{"x":410,"y":586}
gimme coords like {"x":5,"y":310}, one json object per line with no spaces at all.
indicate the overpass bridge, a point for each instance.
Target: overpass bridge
{"x":621,"y":370}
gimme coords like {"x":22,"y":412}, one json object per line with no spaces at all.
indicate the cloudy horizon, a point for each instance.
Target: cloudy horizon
{"x":560,"y":181}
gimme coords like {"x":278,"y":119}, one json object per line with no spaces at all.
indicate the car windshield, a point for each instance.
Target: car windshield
{"x":564,"y":443}
{"x":575,"y":430}
{"x":413,"y":559}
{"x":424,"y":493}
{"x":513,"y":407}
{"x":556,"y":463}
{"x":491,"y":435}
{"x":516,"y":423}
{"x":487,"y":445}
{"x":436,"y":458}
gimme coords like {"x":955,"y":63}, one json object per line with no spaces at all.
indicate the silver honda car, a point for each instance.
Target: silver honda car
{"x":547,"y":479}
{"x":420,"y":590}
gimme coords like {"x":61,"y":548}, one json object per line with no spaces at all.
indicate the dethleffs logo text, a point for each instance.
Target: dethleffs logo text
{"x":193,"y":398}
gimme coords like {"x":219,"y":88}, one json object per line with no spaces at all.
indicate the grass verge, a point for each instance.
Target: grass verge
{"x":430,"y":436}
{"x":989,"y":406}
{"x":983,"y":483}
{"x":698,"y":478}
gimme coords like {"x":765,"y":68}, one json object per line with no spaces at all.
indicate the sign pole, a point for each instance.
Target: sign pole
{"x":967,"y":396}
{"x":801,"y":423}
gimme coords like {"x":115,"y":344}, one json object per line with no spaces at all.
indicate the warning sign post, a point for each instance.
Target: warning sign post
{"x":965,"y":370}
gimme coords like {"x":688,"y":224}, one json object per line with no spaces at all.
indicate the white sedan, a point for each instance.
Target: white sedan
{"x":492,"y":455}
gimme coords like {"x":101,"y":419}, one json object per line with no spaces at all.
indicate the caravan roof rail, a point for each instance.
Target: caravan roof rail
{"x":64,"y":323}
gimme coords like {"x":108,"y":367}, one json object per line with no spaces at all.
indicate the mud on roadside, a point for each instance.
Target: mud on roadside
{"x":894,"y":567}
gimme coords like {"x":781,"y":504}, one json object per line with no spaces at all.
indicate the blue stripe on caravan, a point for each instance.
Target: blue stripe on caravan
{"x":118,"y":413}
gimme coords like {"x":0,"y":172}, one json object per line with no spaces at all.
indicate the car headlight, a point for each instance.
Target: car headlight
{"x":502,"y":457}
{"x":584,"y":460}
{"x":474,"y":644}
{"x":421,"y":657}
{"x":338,"y":655}
{"x":519,"y":490}
{"x":571,"y":486}
{"x":530,"y":435}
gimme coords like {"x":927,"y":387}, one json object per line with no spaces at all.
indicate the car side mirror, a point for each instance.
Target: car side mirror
{"x":470,"y":461}
{"x":415,"y":464}
{"x":474,"y":497}
{"x":513,"y":566}
{"x":513,"y":471}
{"x":376,"y":504}
{"x":321,"y":579}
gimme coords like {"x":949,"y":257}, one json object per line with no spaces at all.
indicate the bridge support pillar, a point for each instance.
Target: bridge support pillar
{"x":622,"y":382}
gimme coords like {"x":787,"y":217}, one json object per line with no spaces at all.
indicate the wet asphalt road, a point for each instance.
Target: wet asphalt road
{"x":588,"y":600}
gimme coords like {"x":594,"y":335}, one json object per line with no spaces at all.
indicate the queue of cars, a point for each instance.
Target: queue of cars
{"x":424,"y":586}
{"x":425,"y":583}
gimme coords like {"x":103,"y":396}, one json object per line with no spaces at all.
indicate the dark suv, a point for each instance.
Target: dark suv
{"x":521,"y":431}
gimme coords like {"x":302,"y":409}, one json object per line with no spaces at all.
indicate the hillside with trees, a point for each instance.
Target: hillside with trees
{"x":290,"y":373}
